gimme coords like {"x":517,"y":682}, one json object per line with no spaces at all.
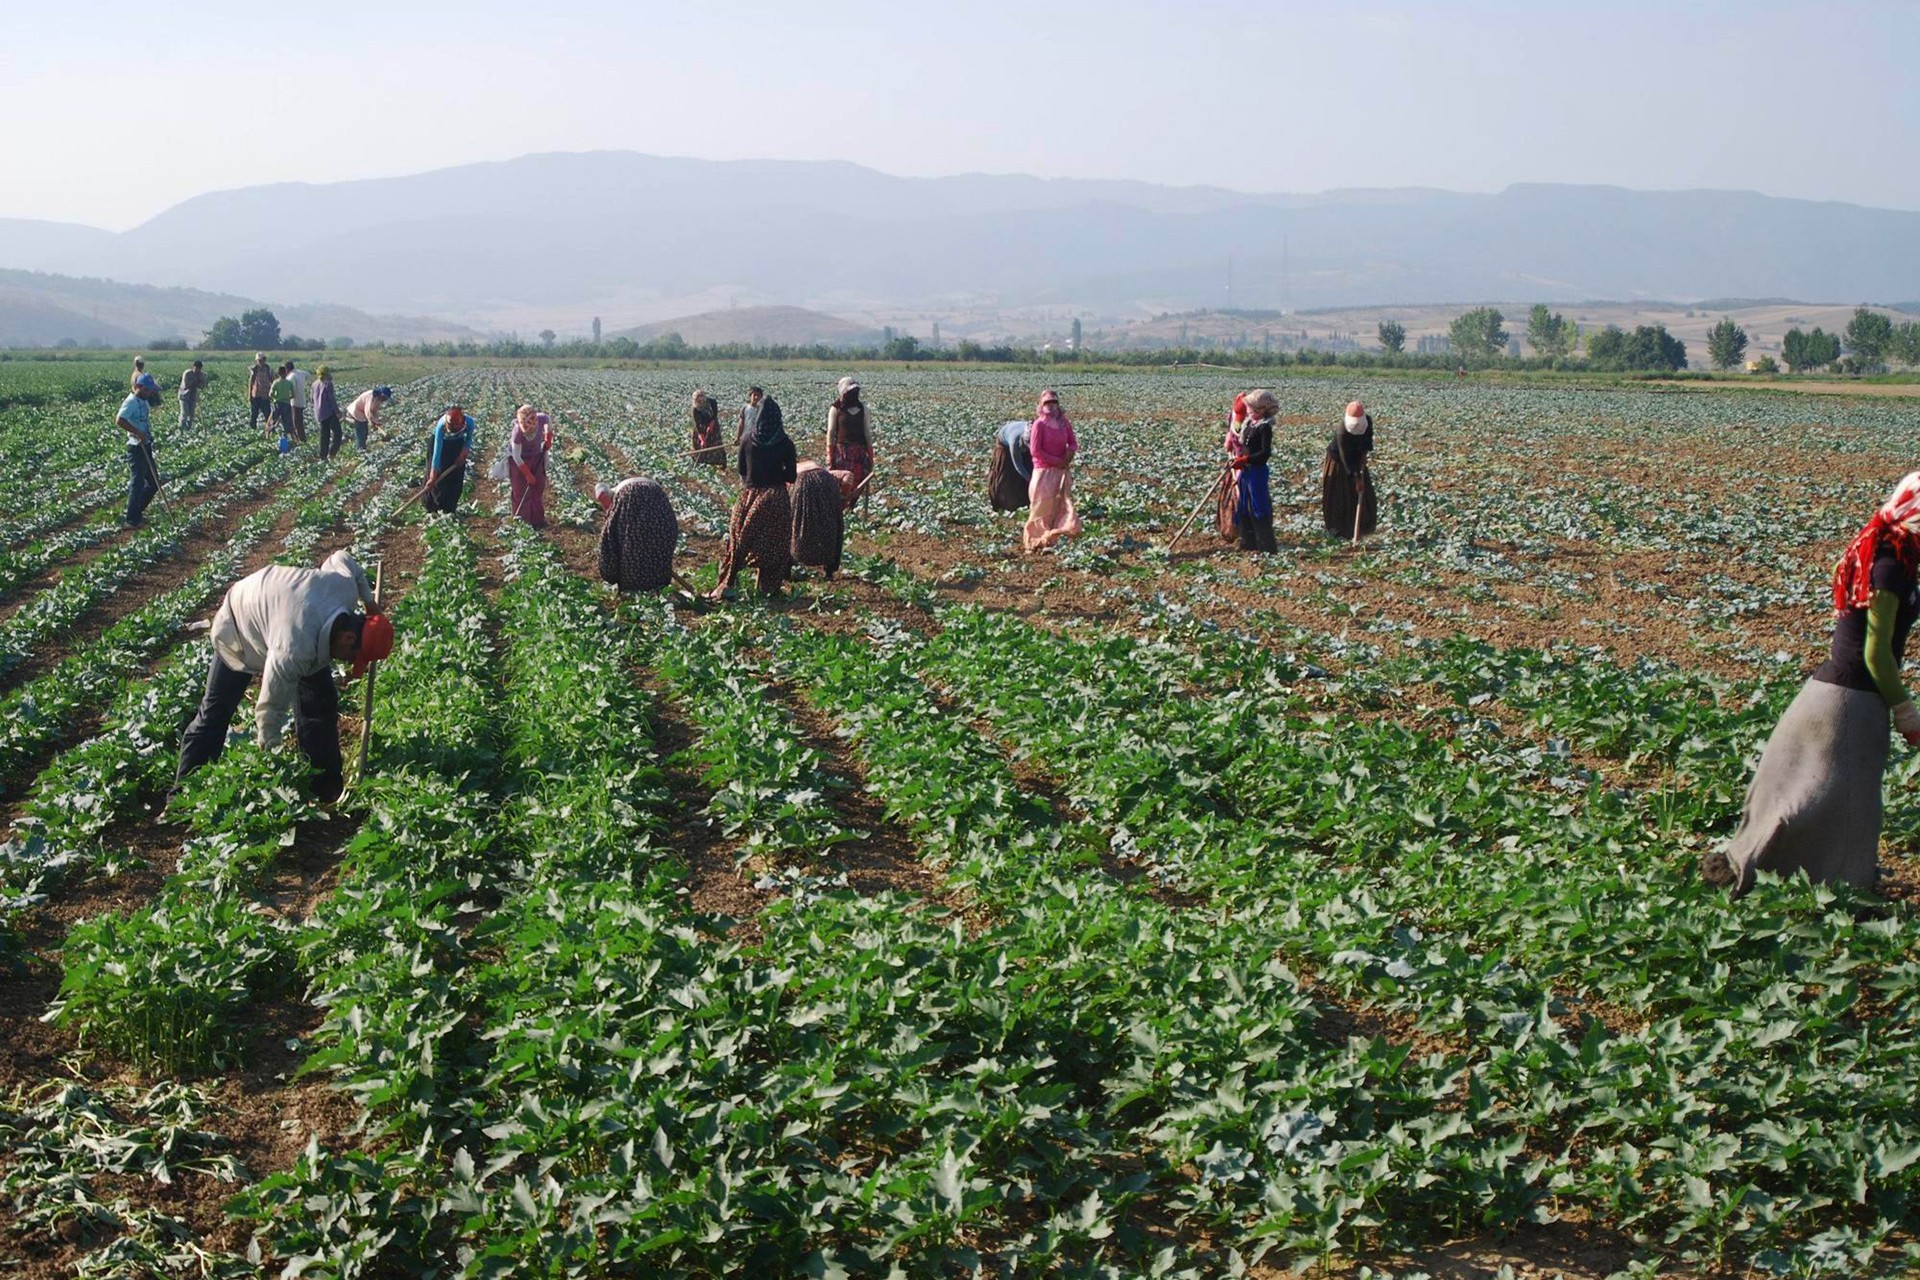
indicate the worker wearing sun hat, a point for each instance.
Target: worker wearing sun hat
{"x":1347,"y":500}
{"x":288,"y":627}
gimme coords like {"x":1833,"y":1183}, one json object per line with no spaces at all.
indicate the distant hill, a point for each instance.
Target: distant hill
{"x":760,"y":326}
{"x":576,"y":235}
{"x":38,"y":310}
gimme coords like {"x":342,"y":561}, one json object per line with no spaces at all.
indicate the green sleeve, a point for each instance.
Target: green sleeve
{"x":1881,"y":613}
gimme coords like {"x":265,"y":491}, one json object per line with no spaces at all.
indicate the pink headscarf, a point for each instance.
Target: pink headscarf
{"x":1051,"y":438}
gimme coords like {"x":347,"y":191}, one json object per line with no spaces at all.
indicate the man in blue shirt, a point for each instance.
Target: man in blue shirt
{"x":136,"y":420}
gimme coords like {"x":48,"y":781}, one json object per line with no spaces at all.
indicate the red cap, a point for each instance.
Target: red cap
{"x":1356,"y":410}
{"x":376,"y":642}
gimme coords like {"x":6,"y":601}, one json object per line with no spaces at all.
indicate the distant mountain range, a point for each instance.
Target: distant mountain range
{"x":38,"y":309}
{"x":638,"y":238}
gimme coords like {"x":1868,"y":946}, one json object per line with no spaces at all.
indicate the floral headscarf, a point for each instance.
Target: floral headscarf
{"x":1895,"y":525}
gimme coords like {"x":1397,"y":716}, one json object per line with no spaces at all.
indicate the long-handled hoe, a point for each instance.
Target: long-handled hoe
{"x":366,"y":710}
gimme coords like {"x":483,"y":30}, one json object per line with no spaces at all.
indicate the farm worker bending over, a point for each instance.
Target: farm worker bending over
{"x":192,"y":383}
{"x":259,"y":389}
{"x":761,"y":530}
{"x":1347,"y":501}
{"x":447,"y":459}
{"x":288,"y":627}
{"x":850,"y":438}
{"x":1253,"y":500}
{"x":1050,"y":513}
{"x":640,"y":536}
{"x":1814,"y":803}
{"x":706,"y":431}
{"x":1011,"y":467}
{"x":143,"y":474}
{"x":364,"y":412}
{"x":819,"y":525}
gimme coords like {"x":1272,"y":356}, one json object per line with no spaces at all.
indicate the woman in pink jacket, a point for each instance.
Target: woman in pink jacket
{"x":1050,"y":514}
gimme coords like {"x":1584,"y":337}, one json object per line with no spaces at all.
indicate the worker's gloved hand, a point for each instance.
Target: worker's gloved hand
{"x":1906,"y":718}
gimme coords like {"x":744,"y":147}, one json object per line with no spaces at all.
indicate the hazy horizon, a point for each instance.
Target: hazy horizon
{"x":1791,"y":100}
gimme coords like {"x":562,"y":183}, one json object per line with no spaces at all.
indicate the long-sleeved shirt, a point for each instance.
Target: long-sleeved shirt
{"x":324,"y":404}
{"x":299,"y":378}
{"x":277,"y":624}
{"x":259,"y":381}
{"x":1052,"y":441}
{"x":192,"y":381}
{"x":1256,"y":442}
{"x":365,"y":408}
{"x":449,"y":445}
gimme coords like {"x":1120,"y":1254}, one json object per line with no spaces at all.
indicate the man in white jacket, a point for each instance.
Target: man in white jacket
{"x":288,"y":627}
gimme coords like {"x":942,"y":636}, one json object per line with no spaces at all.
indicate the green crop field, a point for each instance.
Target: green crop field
{"x":1109,"y":912}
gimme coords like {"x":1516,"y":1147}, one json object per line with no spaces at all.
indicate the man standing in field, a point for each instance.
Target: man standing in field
{"x":280,"y":394}
{"x":139,"y":372}
{"x":299,"y":378}
{"x":259,"y":385}
{"x":288,"y":627}
{"x":192,"y":383}
{"x":143,"y":473}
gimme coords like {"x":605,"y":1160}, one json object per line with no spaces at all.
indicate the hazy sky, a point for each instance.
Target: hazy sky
{"x":116,"y":110}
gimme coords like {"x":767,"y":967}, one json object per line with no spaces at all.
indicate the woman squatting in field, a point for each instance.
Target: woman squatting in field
{"x":1814,"y":804}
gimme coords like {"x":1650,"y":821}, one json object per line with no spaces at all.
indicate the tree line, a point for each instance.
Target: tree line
{"x":1477,"y":338}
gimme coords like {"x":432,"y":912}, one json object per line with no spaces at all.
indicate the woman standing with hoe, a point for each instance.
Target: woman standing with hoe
{"x":527,"y":450}
{"x":1253,"y":496}
{"x":850,"y":439}
{"x":1814,"y":803}
{"x":761,"y":530}
{"x":1347,"y":500}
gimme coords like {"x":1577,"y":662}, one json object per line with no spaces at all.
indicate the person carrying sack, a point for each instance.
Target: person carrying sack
{"x":288,"y":627}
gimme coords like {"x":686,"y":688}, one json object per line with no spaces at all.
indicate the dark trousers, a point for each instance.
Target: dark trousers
{"x":330,"y":435}
{"x":260,"y":407}
{"x":360,"y":434}
{"x":446,"y":490}
{"x":1256,"y":534}
{"x":316,"y":725}
{"x":140,"y":485}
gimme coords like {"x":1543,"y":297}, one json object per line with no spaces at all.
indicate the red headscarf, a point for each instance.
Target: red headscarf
{"x":1892,"y":526}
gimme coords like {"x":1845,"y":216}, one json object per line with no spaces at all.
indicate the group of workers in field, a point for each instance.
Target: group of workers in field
{"x":1031,"y":466}
{"x":1814,"y":804}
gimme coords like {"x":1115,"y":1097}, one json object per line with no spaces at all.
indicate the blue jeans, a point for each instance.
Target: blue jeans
{"x":140,"y":485}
